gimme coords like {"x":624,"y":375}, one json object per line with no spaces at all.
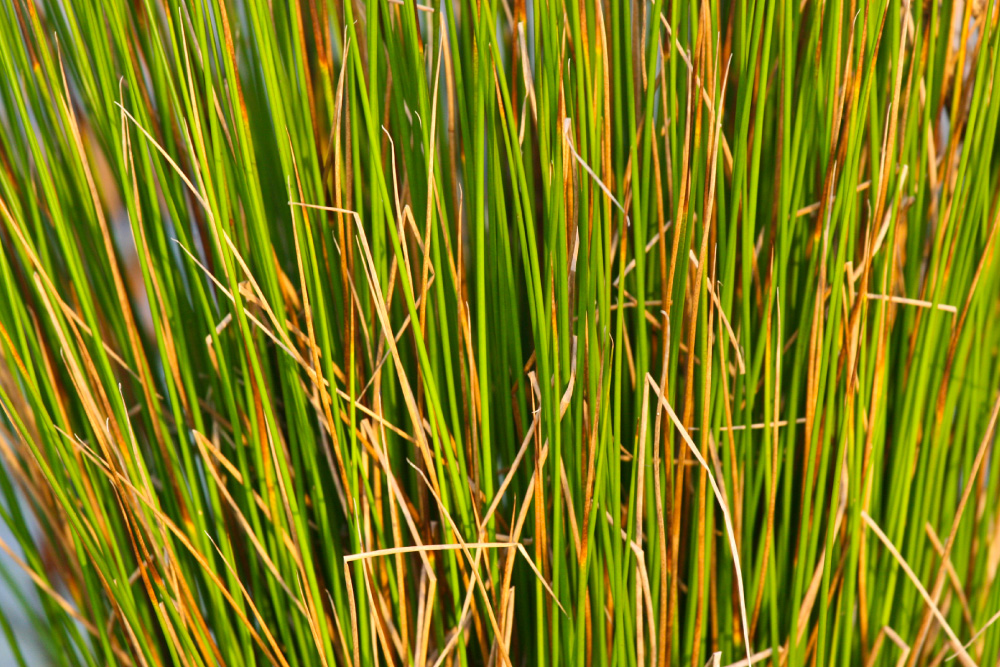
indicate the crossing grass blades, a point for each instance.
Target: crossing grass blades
{"x":501,"y":332}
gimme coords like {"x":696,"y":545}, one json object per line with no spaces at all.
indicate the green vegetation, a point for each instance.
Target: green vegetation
{"x":502,"y":332}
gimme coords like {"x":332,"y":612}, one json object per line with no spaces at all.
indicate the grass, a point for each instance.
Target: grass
{"x":502,"y":333}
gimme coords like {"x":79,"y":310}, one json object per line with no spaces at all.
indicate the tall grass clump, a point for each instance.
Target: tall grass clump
{"x":501,"y":332}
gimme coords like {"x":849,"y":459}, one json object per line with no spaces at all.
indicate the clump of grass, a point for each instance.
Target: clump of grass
{"x":502,"y":333}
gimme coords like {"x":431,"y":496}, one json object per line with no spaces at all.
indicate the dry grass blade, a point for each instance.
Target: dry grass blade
{"x":959,"y":648}
{"x":725,"y":510}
